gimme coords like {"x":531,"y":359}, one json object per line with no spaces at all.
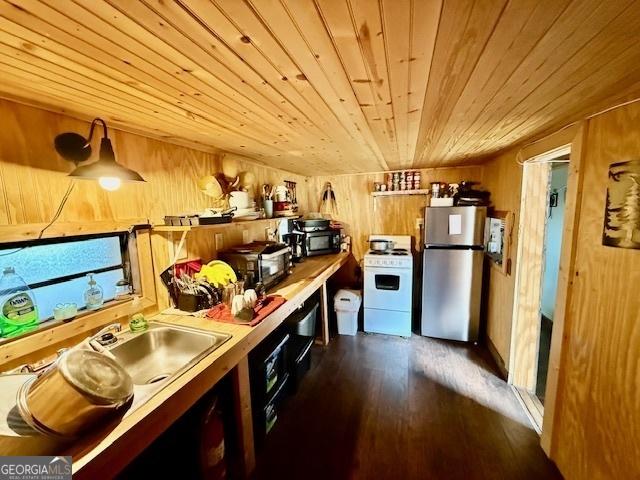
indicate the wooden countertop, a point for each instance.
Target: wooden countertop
{"x":109,"y":451}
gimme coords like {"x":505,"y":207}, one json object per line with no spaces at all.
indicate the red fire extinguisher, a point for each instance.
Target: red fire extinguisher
{"x":212,"y":451}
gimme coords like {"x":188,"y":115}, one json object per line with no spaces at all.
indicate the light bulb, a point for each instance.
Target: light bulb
{"x":110,"y":183}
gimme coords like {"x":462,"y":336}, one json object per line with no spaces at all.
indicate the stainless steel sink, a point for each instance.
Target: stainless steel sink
{"x":164,"y":351}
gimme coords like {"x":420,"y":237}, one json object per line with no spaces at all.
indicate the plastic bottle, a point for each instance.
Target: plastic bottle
{"x":18,"y":309}
{"x":93,"y":295}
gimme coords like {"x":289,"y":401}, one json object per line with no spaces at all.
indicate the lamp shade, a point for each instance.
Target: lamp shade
{"x":106,"y":166}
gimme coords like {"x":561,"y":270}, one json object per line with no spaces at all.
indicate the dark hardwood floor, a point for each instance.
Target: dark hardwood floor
{"x":378,"y":407}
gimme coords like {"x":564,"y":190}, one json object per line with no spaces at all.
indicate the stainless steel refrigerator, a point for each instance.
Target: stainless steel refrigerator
{"x":452,"y":272}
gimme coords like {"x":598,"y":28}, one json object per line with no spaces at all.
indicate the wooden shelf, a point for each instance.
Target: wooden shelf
{"x":235,"y":223}
{"x":392,"y":193}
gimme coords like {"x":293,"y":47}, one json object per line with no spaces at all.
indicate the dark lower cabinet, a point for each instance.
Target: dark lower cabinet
{"x":199,"y":445}
{"x":278,"y":364}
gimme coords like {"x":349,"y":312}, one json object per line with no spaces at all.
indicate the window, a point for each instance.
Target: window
{"x":56,"y":269}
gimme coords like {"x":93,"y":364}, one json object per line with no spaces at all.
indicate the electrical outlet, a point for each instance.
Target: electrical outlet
{"x":419,"y":223}
{"x":245,"y":236}
{"x":219,"y":242}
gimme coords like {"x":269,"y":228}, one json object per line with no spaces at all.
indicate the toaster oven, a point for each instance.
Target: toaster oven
{"x":259,"y":262}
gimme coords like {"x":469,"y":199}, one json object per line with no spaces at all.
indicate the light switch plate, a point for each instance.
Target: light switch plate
{"x":219,"y":242}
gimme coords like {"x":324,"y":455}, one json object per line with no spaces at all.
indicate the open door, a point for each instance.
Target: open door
{"x":544,"y":192}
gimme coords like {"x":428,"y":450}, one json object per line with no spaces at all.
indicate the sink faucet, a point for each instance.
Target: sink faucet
{"x":98,"y":341}
{"x":112,"y":328}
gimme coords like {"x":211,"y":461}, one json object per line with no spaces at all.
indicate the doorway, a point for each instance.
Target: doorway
{"x":557,"y":196}
{"x":542,"y":208}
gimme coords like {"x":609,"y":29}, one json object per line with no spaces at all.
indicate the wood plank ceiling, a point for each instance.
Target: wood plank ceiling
{"x":325,"y":86}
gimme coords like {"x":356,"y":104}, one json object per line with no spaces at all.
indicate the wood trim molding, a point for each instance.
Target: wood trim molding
{"x":531,"y":406}
{"x":529,"y":265}
{"x":497,"y":359}
{"x":561,"y":328}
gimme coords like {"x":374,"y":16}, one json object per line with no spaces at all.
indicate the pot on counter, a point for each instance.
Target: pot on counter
{"x":312,"y":224}
{"x":81,"y":389}
{"x":380,"y":245}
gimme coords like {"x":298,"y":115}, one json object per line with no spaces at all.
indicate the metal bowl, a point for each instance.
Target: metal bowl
{"x":82,"y":388}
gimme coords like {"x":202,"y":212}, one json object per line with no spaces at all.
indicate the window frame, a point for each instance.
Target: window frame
{"x":122,"y":238}
{"x":54,"y":334}
{"x":124,"y":241}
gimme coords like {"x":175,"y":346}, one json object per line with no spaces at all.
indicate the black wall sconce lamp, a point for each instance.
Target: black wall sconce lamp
{"x":77,"y":149}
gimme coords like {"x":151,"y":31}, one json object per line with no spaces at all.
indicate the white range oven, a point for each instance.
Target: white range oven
{"x":388,"y":287}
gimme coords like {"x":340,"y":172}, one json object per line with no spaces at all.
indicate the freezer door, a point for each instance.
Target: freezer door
{"x":454,"y":225}
{"x":451,"y":287}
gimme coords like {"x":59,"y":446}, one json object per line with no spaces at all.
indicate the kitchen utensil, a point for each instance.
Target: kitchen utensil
{"x":210,"y":186}
{"x":247,"y":180}
{"x":123,"y":289}
{"x":312,"y":224}
{"x":181,"y":220}
{"x":282,"y":209}
{"x":82,"y":388}
{"x":380,"y":245}
{"x":268,"y":207}
{"x":65,"y":311}
{"x":292,"y":195}
{"x":239,"y":200}
{"x":441,"y":202}
{"x":240,"y":287}
{"x":215,"y":220}
{"x":228,"y":292}
{"x":267,"y":192}
{"x":251,"y":297}
{"x":217,"y":273}
{"x":328,"y":203}
{"x":281,"y":194}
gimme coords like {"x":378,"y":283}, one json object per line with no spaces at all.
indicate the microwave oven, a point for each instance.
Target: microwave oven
{"x":321,"y":242}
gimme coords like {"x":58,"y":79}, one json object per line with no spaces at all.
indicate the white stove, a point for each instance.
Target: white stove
{"x":388,"y":287}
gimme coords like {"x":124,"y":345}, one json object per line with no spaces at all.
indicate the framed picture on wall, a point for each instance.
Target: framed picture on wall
{"x":622,"y":210}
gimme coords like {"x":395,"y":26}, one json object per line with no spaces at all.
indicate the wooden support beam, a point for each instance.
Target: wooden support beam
{"x":243,"y":417}
{"x":324,"y":305}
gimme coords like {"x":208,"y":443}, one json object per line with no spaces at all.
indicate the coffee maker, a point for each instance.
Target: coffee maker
{"x":295,"y":240}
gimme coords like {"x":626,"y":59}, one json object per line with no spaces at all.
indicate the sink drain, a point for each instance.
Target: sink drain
{"x":157,"y":378}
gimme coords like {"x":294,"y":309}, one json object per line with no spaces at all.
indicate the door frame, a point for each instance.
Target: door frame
{"x":524,"y":334}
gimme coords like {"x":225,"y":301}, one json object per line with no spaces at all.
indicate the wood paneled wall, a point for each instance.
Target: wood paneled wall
{"x":33,"y":176}
{"x":364,"y":215}
{"x":33,"y":179}
{"x":502,"y":177}
{"x":596,"y":427}
{"x":597,"y":418}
